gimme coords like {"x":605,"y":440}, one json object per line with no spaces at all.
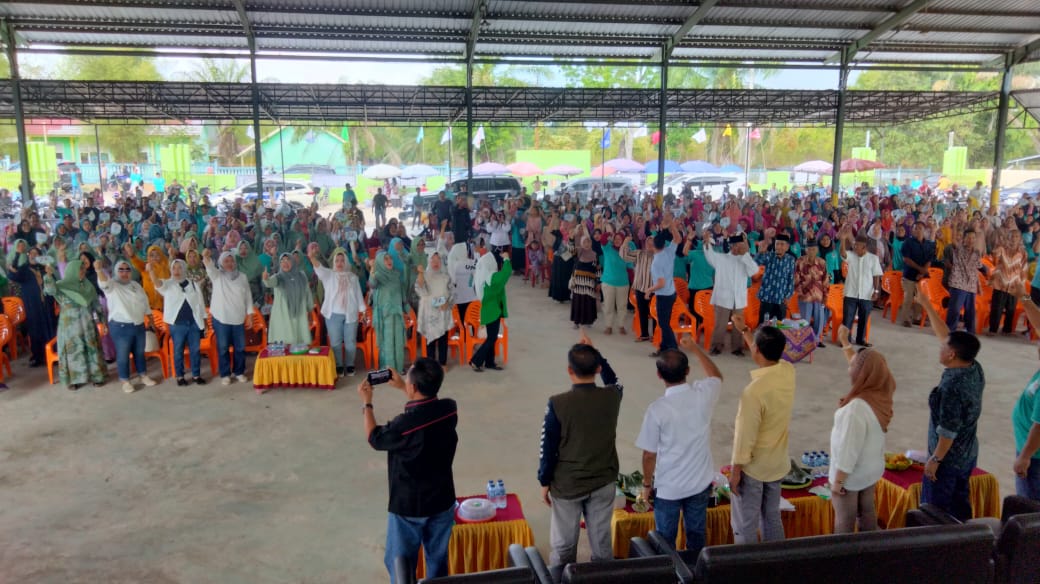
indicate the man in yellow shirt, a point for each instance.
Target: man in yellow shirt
{"x":760,"y":457}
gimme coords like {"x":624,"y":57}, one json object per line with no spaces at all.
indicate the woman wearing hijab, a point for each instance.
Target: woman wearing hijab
{"x":416,"y":259}
{"x":270,"y":254}
{"x":584,"y":283}
{"x":127,"y":311}
{"x":858,"y":438}
{"x":343,"y":304}
{"x":23,"y":269}
{"x":231,"y":308}
{"x":78,"y":344}
{"x":185,"y":315}
{"x":562,"y":263}
{"x":462,"y":263}
{"x":433,"y":285}
{"x":387,"y":288}
{"x":250,"y":266}
{"x":292,"y":304}
{"x":158,"y":266}
{"x":196,"y":272}
{"x":492,"y":274}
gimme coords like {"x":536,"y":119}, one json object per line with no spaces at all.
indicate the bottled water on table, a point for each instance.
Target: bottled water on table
{"x":500,"y":494}
{"x":492,"y":491}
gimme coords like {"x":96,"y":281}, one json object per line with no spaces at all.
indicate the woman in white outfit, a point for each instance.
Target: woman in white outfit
{"x":462,"y":263}
{"x":185,"y":314}
{"x":858,"y":438}
{"x":231,"y":305}
{"x":127,"y":310}
{"x":343,"y":304}
{"x":433,"y":285}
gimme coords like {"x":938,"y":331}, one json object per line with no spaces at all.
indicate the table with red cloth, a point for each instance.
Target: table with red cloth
{"x":812,"y":515}
{"x":314,"y":371}
{"x":801,"y":342}
{"x":900,"y":491}
{"x":478,"y":547}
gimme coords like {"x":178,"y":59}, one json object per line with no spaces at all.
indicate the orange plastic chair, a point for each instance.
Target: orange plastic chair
{"x":456,"y":336}
{"x":163,"y":352}
{"x":702,"y":304}
{"x":315,"y":323}
{"x":754,"y":306}
{"x":14,"y":309}
{"x":892,"y":283}
{"x":936,"y":293}
{"x":6,"y":339}
{"x":792,"y":306}
{"x":411,"y":335}
{"x":682,"y":323}
{"x":51,"y":357}
{"x":367,"y":343}
{"x":682,"y":291}
{"x":635,"y":316}
{"x":472,"y":325}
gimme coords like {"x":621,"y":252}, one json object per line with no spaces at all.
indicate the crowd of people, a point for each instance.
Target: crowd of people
{"x":105,"y":277}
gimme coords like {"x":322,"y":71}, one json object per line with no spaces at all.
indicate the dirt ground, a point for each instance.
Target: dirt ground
{"x":219,"y":484}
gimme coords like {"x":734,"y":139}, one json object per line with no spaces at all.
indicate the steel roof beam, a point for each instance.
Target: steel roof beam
{"x":479,"y":10}
{"x":665,"y":53}
{"x":893,"y":21}
{"x":1016,"y":56}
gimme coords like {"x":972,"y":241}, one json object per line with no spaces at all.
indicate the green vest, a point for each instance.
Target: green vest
{"x":588,"y":458}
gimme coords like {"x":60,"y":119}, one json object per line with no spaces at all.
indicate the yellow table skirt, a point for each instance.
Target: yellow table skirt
{"x":295,"y":371}
{"x":812,"y":516}
{"x":893,"y":501}
{"x":478,"y":547}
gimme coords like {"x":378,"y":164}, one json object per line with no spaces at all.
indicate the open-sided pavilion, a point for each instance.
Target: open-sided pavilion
{"x":842,"y":35}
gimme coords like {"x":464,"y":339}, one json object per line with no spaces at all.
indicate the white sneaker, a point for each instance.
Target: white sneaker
{"x":128,"y":387}
{"x":225,"y":381}
{"x":147,"y":381}
{"x":241,"y":379}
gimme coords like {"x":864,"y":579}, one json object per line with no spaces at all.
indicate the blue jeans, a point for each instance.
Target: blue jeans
{"x":1029,"y":486}
{"x":129,"y":338}
{"x":816,"y":313}
{"x":949,"y":491}
{"x":342,"y":338}
{"x":959,"y":299}
{"x":230,"y":335}
{"x":664,"y":320}
{"x":404,"y":535}
{"x":852,"y":308}
{"x":185,"y":333}
{"x":694,"y":512}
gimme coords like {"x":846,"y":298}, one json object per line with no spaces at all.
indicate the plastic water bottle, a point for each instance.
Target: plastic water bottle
{"x":492,"y":491}
{"x":500,"y":494}
{"x":826,"y":459}
{"x":805,"y":458}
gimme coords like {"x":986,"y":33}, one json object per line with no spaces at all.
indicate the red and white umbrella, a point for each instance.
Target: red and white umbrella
{"x":860,"y":165}
{"x":524,"y":169}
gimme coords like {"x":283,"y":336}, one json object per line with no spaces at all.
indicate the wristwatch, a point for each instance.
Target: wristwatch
{"x":935,"y":459}
{"x":367,"y":407}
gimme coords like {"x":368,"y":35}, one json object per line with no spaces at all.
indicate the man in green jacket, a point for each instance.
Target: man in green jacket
{"x":492,"y":273}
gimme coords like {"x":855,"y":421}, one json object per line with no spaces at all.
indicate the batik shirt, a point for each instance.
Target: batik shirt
{"x":778,"y":280}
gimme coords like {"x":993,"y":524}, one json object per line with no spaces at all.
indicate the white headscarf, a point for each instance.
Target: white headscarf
{"x":459,"y":255}
{"x":486,"y":268}
{"x":231,"y":274}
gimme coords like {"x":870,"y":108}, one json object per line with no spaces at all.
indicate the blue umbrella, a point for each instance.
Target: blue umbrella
{"x":731,"y":168}
{"x":698,"y":166}
{"x":670,"y":166}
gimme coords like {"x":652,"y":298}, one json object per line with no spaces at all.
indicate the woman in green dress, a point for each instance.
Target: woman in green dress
{"x":293,"y":303}
{"x":250,"y":266}
{"x":387,"y":303}
{"x":78,"y":344}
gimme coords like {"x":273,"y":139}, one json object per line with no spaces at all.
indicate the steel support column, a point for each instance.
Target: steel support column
{"x":469,"y":122}
{"x":998,"y":145}
{"x":661,"y":126}
{"x":839,"y":130}
{"x":256,"y":128}
{"x":19,"y":117}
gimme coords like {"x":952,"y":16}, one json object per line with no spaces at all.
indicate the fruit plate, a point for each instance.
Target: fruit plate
{"x":791,"y":487}
{"x":894,"y":461}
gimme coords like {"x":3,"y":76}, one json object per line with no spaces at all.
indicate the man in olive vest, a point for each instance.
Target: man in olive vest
{"x":578,"y":463}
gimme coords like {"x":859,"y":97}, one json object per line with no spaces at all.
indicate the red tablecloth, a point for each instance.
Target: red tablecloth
{"x":900,"y":491}
{"x":914,"y":474}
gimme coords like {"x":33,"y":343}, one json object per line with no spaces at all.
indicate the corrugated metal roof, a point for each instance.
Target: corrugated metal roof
{"x":958,"y":30}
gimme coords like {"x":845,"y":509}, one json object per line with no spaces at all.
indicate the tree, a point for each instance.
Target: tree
{"x":229,"y":136}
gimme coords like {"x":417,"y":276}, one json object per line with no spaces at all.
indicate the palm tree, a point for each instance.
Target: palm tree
{"x":229,"y":136}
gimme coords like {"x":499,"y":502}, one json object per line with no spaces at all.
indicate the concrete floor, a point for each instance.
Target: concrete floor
{"x":218,"y":484}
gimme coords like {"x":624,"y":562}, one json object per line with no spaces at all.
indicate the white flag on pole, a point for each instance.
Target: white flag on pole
{"x":249,"y":131}
{"x":640,"y":132}
{"x":478,"y":138}
{"x":446,"y":136}
{"x":701,"y":136}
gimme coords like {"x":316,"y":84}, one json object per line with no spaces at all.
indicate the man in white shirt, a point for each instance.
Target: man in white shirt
{"x":861,"y":286}
{"x":729,"y":295}
{"x":676,"y":443}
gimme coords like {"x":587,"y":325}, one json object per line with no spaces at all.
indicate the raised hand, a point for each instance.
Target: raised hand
{"x":264,"y":275}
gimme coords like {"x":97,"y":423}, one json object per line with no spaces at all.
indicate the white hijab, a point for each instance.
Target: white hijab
{"x":486,"y":268}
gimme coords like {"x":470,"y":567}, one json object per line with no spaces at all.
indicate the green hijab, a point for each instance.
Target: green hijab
{"x":15,"y":259}
{"x":294,"y":284}
{"x":80,"y":291}
{"x":249,"y":264}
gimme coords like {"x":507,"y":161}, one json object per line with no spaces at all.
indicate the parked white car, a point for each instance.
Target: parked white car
{"x":611,"y":186}
{"x":295,"y":191}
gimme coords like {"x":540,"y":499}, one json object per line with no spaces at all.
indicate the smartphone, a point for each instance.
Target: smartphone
{"x":379,"y":376}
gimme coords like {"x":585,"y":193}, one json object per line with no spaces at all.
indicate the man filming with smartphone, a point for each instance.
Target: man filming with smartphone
{"x":420,"y":445}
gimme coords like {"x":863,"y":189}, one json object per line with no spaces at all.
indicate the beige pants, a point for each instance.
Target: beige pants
{"x":909,"y":310}
{"x":718,"y":336}
{"x":615,"y":305}
{"x":857,"y":507}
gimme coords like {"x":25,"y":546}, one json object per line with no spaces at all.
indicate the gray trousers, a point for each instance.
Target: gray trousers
{"x":598,"y":508}
{"x":855,"y":508}
{"x":757,"y":506}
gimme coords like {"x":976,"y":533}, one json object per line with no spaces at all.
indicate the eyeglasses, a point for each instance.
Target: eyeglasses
{"x":124,"y":269}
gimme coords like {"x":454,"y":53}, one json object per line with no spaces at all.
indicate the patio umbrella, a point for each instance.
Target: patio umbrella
{"x":815,"y":167}
{"x":859,"y":165}
{"x":624,"y":165}
{"x":563,"y":170}
{"x":524,"y":169}
{"x":731,"y":168}
{"x":381,"y":171}
{"x":698,"y":166}
{"x":603,"y":170}
{"x":653,"y":167}
{"x":490,"y":168}
{"x":419,"y":171}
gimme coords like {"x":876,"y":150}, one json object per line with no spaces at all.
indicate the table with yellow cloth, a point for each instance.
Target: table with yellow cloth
{"x":478,"y":547}
{"x":314,"y":371}
{"x":900,"y":491}
{"x":812,"y":515}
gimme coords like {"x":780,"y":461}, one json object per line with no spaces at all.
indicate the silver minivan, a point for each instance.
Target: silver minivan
{"x":609,"y":186}
{"x":490,"y":188}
